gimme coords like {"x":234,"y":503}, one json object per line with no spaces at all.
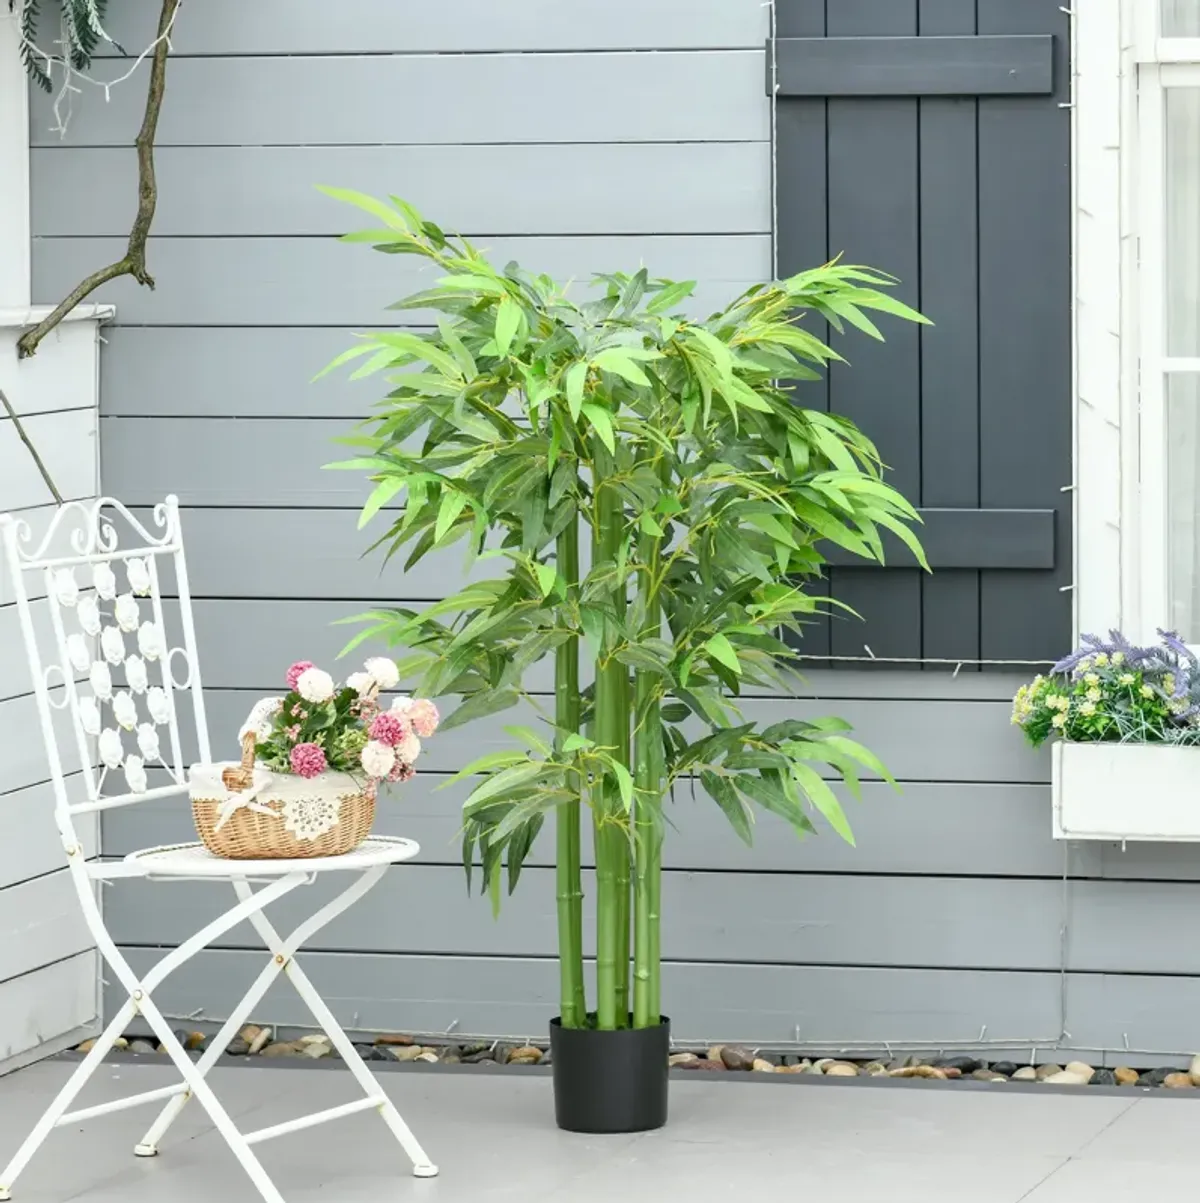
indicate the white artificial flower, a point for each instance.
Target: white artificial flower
{"x":148,"y":745}
{"x":360,"y":682}
{"x":101,"y":680}
{"x":408,"y":749}
{"x":402,"y":704}
{"x":89,"y":715}
{"x":261,"y":718}
{"x":315,"y":685}
{"x":150,"y":641}
{"x":158,"y":704}
{"x":383,"y":672}
{"x":112,"y":644}
{"x":125,"y":710}
{"x":135,"y":774}
{"x":105,"y":581}
{"x":111,"y":751}
{"x":65,"y":587}
{"x":138,"y":572}
{"x":78,"y":652}
{"x":126,"y":612}
{"x":136,"y":675}
{"x":89,"y":615}
{"x":1059,"y":721}
{"x":377,"y":759}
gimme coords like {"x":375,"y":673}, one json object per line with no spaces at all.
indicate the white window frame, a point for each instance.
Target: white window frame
{"x":1123,"y":71}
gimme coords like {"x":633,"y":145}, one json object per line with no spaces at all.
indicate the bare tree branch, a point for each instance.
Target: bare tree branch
{"x":37,"y":459}
{"x":133,"y":262}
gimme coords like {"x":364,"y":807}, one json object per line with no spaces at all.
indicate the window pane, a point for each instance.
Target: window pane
{"x":1181,"y":18}
{"x":1183,"y":220}
{"x":1183,"y":505}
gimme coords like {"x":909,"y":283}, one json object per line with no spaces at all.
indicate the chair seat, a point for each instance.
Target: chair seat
{"x":194,"y":860}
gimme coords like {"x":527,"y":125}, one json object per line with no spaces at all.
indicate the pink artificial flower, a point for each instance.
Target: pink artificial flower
{"x":388,"y":728}
{"x":423,"y":715}
{"x":307,"y":760}
{"x":293,"y":673}
{"x":294,"y":732}
{"x":402,"y":772}
{"x":296,"y":711}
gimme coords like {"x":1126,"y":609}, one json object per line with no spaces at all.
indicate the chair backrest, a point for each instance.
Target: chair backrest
{"x":104,"y":670}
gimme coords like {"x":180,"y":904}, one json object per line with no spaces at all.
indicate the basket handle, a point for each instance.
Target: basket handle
{"x":240,"y":778}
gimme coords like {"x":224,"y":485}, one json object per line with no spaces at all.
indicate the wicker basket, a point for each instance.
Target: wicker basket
{"x":286,"y":818}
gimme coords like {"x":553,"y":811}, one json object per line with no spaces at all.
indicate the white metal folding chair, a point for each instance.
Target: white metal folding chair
{"x":91,"y":620}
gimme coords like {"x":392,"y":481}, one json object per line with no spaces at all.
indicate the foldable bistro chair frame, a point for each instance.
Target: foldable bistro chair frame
{"x":83,"y":540}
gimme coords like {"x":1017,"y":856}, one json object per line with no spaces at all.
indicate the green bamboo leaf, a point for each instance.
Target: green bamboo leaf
{"x":486,"y":764}
{"x":601,"y":424}
{"x":343,"y":358}
{"x":361,"y":200}
{"x":576,"y":378}
{"x":725,"y":796}
{"x":478,"y":705}
{"x":532,"y":738}
{"x":508,"y":321}
{"x":722,"y":651}
{"x":503,"y":783}
{"x":624,"y":782}
{"x":906,"y":536}
{"x":480,"y":283}
{"x":674,"y":712}
{"x":671,"y":296}
{"x":452,"y":505}
{"x":575,"y":742}
{"x":380,"y":496}
{"x":823,"y":798}
{"x":547,"y":575}
{"x":618,"y":361}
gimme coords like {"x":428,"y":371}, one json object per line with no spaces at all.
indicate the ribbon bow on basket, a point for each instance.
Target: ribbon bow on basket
{"x":244,"y":783}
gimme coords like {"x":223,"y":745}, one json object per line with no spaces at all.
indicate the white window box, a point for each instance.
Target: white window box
{"x":1126,"y":792}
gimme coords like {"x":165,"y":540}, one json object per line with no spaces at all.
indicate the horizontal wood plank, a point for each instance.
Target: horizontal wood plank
{"x":40,"y":922}
{"x":265,"y":102}
{"x":370,"y":27}
{"x":323,"y":282}
{"x":970,"y":538}
{"x":975,"y":741}
{"x":58,"y":998}
{"x":61,"y":378}
{"x":916,"y":66}
{"x":32,"y":846}
{"x":24,"y":762}
{"x":66,"y":441}
{"x":991,"y":923}
{"x":833,"y":1007}
{"x":480,"y":191}
{"x":995,"y":830}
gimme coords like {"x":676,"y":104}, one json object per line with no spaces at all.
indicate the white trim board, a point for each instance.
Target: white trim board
{"x":15,"y":283}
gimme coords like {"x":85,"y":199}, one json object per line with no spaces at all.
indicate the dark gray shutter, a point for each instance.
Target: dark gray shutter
{"x":931,"y":138}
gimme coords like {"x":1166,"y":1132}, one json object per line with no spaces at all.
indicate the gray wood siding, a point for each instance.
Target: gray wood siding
{"x":947,"y":919}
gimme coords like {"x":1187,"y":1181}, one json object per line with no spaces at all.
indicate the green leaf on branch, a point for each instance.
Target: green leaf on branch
{"x":508,"y":321}
{"x":478,"y":705}
{"x":601,"y":423}
{"x":722,"y":651}
{"x":817,"y":789}
{"x":618,"y":361}
{"x":721,"y":791}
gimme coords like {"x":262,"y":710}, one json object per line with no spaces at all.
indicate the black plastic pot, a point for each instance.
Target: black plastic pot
{"x":610,"y":1081}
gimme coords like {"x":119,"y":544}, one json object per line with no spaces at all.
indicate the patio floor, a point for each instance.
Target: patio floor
{"x":494,"y":1138}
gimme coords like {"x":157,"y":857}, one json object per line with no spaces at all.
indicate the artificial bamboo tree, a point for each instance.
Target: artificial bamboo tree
{"x":532,"y":426}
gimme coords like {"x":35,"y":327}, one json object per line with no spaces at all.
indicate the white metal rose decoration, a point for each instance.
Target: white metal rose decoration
{"x":89,"y":615}
{"x":111,"y":751}
{"x":105,"y":580}
{"x":125,"y":611}
{"x":89,"y":715}
{"x":112,"y":644}
{"x":138,"y":573}
{"x":125,"y":710}
{"x":78,"y":652}
{"x":158,"y":704}
{"x":148,"y":745}
{"x":150,"y":641}
{"x":66,"y":588}
{"x":100,"y":679}
{"x":136,"y":675}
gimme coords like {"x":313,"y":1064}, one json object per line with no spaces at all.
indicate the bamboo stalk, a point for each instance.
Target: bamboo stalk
{"x":569,"y":884}
{"x":612,"y":728}
{"x":648,"y":826}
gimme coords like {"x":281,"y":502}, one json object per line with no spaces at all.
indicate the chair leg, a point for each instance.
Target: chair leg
{"x":211,"y":1104}
{"x":64,"y":1098}
{"x":284,"y":949}
{"x":148,"y":1145}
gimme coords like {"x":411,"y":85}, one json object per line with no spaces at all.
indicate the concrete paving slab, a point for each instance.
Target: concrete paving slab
{"x":494,"y":1137}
